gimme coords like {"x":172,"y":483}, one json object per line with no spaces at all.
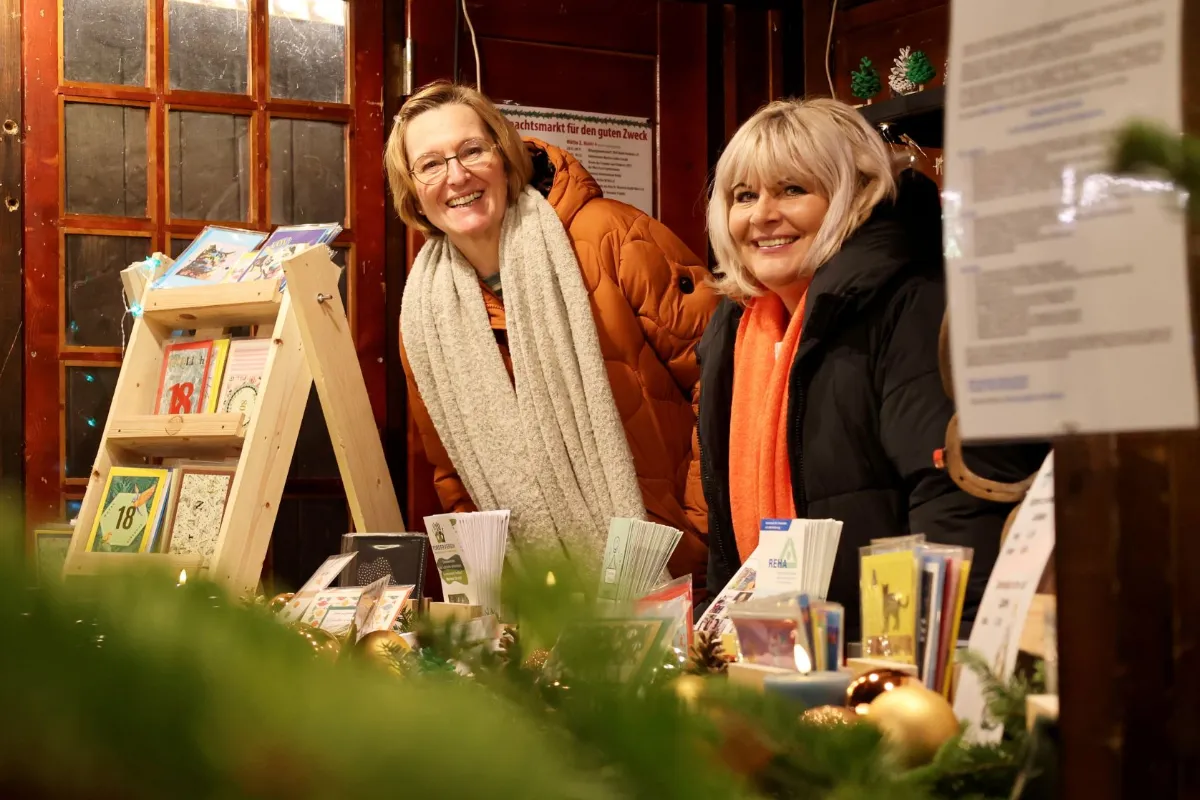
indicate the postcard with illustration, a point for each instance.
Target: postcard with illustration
{"x":283,"y":243}
{"x":210,"y":258}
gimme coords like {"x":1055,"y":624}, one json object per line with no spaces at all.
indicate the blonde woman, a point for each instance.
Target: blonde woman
{"x":548,"y":333}
{"x":819,"y":390}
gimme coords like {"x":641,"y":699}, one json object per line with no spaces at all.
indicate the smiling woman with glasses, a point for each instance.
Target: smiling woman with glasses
{"x":548,"y":333}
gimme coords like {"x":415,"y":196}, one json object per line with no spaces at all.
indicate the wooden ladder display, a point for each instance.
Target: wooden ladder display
{"x":311,"y":343}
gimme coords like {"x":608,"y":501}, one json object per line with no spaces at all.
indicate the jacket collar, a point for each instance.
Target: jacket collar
{"x":898,"y":236}
{"x":561,"y":179}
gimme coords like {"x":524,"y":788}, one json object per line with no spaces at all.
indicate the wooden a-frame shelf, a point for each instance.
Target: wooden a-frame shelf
{"x":310,"y":344}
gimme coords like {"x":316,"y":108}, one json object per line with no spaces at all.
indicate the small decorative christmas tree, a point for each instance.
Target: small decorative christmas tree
{"x":864,"y":82}
{"x":919,"y":70}
{"x":898,"y":78}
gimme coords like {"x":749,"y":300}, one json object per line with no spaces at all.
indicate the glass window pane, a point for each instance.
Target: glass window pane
{"x":208,"y":49}
{"x":308,"y":49}
{"x":209,"y":159}
{"x":72,"y":507}
{"x":104,"y":41}
{"x":178,"y":246}
{"x":89,"y":393}
{"x":308,"y":172}
{"x":105,"y":159}
{"x":94,"y":298}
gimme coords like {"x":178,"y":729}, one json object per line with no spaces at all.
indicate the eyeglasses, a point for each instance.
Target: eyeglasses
{"x":431,"y":168}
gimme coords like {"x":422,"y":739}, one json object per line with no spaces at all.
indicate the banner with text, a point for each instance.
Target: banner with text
{"x":617,"y":151}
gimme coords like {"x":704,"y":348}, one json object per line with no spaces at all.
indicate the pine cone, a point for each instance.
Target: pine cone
{"x":707,"y":655}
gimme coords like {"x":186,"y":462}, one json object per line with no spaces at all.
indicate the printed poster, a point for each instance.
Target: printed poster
{"x":618,"y":151}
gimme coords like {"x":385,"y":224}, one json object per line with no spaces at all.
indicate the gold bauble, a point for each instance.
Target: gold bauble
{"x":536,"y":660}
{"x":915,"y":721}
{"x":322,"y":642}
{"x":277,"y":603}
{"x":383,"y":647}
{"x":689,"y":689}
{"x":863,"y":690}
{"x":829,"y":716}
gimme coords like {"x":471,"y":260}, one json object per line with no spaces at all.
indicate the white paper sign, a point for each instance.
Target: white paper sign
{"x":1067,"y":286}
{"x":617,"y":151}
{"x":996,"y":635}
{"x":319,"y":582}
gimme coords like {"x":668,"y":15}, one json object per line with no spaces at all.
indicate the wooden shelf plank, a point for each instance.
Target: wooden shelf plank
{"x":178,"y":435}
{"x":920,"y":115}
{"x":85,"y":563}
{"x":223,"y":305}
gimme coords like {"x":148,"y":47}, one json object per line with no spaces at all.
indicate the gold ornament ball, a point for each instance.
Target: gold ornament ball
{"x":690,"y":689}
{"x":536,"y":660}
{"x":277,"y":603}
{"x":864,"y":689}
{"x":915,"y":721}
{"x":383,"y":647}
{"x":322,"y":642}
{"x":829,"y":716}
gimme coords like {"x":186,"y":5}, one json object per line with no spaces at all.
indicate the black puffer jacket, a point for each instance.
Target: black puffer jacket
{"x":866,"y":408}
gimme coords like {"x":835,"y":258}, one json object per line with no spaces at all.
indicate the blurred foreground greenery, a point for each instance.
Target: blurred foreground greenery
{"x":131,"y":687}
{"x":1143,"y":147}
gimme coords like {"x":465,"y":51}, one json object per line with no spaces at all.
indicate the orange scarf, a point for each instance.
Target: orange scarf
{"x":760,"y":476}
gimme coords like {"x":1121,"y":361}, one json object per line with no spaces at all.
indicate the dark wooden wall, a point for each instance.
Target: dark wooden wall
{"x":12,"y":431}
{"x":876,"y":30}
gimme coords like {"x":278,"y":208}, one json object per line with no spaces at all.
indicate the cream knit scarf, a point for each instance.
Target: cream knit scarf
{"x":550,"y":449}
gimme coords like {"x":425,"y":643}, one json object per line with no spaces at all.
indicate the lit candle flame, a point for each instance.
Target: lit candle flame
{"x":550,"y":579}
{"x":803,"y":661}
{"x":182,"y":577}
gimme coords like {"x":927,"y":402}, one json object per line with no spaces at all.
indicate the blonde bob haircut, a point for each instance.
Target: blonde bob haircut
{"x":822,"y":145}
{"x":517,"y":163}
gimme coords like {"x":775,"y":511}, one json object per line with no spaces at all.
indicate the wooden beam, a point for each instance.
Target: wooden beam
{"x":12,"y":342}
{"x":1126,"y":562}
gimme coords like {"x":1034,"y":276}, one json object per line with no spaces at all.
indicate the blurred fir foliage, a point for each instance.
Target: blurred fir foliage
{"x":131,"y":687}
{"x":1143,"y":147}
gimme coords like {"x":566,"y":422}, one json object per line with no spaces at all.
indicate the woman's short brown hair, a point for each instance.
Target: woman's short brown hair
{"x":517,"y":164}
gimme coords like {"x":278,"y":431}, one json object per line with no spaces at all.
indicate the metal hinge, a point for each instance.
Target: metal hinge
{"x":402,"y":68}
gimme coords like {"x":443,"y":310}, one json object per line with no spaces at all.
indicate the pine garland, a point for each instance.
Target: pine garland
{"x":141,"y":689}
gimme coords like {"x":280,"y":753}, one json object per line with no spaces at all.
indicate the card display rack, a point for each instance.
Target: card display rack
{"x":310,"y":343}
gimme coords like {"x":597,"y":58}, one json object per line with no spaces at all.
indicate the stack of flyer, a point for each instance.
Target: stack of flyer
{"x":793,"y":557}
{"x":635,"y":558}
{"x":468,"y":550}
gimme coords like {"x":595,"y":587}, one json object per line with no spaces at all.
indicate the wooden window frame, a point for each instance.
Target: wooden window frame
{"x":46,"y":222}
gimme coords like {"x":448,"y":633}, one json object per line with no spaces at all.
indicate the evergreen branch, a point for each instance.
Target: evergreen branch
{"x":1148,"y":147}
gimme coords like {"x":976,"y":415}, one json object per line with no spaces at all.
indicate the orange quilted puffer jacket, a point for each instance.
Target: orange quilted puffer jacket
{"x":651,"y":301}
